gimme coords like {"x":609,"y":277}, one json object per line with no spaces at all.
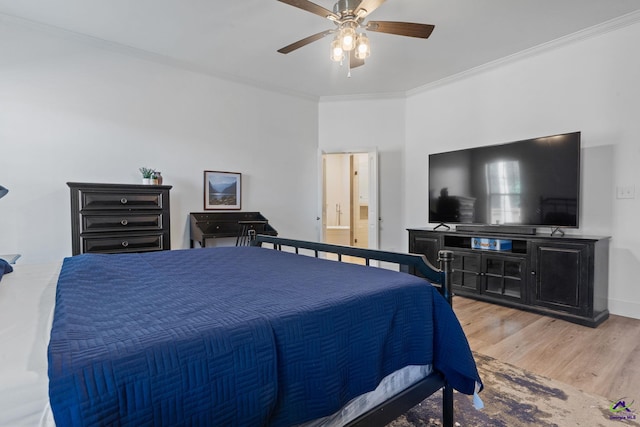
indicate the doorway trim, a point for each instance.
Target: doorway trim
{"x":373,"y":222}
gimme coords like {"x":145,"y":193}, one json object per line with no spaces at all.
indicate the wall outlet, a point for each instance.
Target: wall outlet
{"x":625,"y":192}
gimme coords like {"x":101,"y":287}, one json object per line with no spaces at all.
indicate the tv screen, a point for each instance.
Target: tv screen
{"x":535,"y":182}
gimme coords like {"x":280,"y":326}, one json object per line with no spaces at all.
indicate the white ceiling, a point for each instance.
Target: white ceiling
{"x":239,"y":39}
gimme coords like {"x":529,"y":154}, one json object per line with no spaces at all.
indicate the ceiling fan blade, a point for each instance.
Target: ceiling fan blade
{"x":304,"y":42}
{"x":312,"y":7}
{"x":409,"y":29}
{"x":355,"y":62}
{"x":367,"y":6}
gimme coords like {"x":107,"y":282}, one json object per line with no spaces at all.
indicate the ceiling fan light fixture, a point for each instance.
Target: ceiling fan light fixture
{"x":363,"y":46}
{"x":349,"y":40}
{"x":337,"y":54}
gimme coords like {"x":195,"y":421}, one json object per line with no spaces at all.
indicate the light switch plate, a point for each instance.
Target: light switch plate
{"x":625,"y":192}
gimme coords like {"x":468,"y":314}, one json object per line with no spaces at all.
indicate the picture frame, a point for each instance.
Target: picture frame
{"x":222,"y":190}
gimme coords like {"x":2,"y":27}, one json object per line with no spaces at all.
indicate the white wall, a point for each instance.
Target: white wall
{"x":590,"y":86}
{"x":71,"y":110}
{"x":367,"y":124}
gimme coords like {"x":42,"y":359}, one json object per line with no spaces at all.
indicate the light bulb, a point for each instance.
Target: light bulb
{"x":337,"y":54}
{"x":348,"y":36}
{"x":363,"y":47}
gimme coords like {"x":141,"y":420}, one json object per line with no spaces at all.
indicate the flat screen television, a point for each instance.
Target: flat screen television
{"x":535,"y":182}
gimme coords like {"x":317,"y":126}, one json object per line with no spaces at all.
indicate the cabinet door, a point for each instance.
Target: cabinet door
{"x":503,"y":276}
{"x":427,"y":246}
{"x":466,"y":271}
{"x":560,"y":276}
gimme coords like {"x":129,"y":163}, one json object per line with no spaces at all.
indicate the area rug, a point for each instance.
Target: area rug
{"x":513,"y":397}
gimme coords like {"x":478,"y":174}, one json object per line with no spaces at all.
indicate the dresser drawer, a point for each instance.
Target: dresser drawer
{"x":91,"y":223}
{"x":219,"y":227}
{"x":122,"y":243}
{"x":94,"y":200}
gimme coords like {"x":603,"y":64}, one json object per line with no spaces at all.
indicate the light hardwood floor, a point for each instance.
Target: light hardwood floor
{"x":604,"y":361}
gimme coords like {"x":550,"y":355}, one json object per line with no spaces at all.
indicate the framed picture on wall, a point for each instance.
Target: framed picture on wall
{"x":222,"y":190}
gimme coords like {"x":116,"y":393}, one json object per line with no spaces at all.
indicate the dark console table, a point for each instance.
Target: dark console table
{"x":211,"y":225}
{"x":566,"y":277}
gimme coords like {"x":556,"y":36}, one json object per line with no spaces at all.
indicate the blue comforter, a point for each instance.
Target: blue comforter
{"x":237,"y":336}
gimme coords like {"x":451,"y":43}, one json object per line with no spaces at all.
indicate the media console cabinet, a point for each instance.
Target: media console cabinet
{"x":565,"y":277}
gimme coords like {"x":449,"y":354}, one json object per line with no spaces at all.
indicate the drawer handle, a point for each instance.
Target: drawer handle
{"x":124,"y":222}
{"x":125,"y":244}
{"x":124,"y":201}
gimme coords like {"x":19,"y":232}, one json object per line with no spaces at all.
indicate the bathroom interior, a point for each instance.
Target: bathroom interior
{"x":346,"y":199}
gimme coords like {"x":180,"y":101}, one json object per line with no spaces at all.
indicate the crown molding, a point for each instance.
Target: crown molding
{"x":594,"y":31}
{"x":363,"y":97}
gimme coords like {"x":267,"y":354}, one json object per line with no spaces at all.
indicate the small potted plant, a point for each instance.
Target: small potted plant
{"x":147,"y":175}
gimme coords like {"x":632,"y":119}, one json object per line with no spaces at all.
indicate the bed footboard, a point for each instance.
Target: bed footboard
{"x":409,"y":263}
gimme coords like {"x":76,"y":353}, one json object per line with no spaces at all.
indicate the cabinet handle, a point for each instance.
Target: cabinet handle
{"x":124,"y":222}
{"x":533,"y":273}
{"x":125,"y":244}
{"x":124,"y":201}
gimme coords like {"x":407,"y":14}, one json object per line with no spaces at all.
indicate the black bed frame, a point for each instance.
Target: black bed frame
{"x":410,"y":263}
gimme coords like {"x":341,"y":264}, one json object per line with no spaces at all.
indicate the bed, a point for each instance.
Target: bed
{"x":227,"y":336}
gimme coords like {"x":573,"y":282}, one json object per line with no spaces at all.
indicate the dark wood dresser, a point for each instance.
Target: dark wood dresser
{"x":117,"y":218}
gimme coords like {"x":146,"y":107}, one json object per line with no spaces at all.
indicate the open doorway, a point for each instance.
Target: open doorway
{"x":349,"y":199}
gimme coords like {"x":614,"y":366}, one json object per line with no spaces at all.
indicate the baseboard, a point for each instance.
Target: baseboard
{"x":498,"y":229}
{"x":624,"y":308}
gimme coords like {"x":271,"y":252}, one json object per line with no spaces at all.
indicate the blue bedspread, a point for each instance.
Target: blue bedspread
{"x":237,"y":337}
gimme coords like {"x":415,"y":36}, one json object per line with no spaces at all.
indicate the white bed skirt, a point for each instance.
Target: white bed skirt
{"x":27,"y":297}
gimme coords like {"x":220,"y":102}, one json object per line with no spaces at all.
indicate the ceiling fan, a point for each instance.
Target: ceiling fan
{"x":349,"y":16}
